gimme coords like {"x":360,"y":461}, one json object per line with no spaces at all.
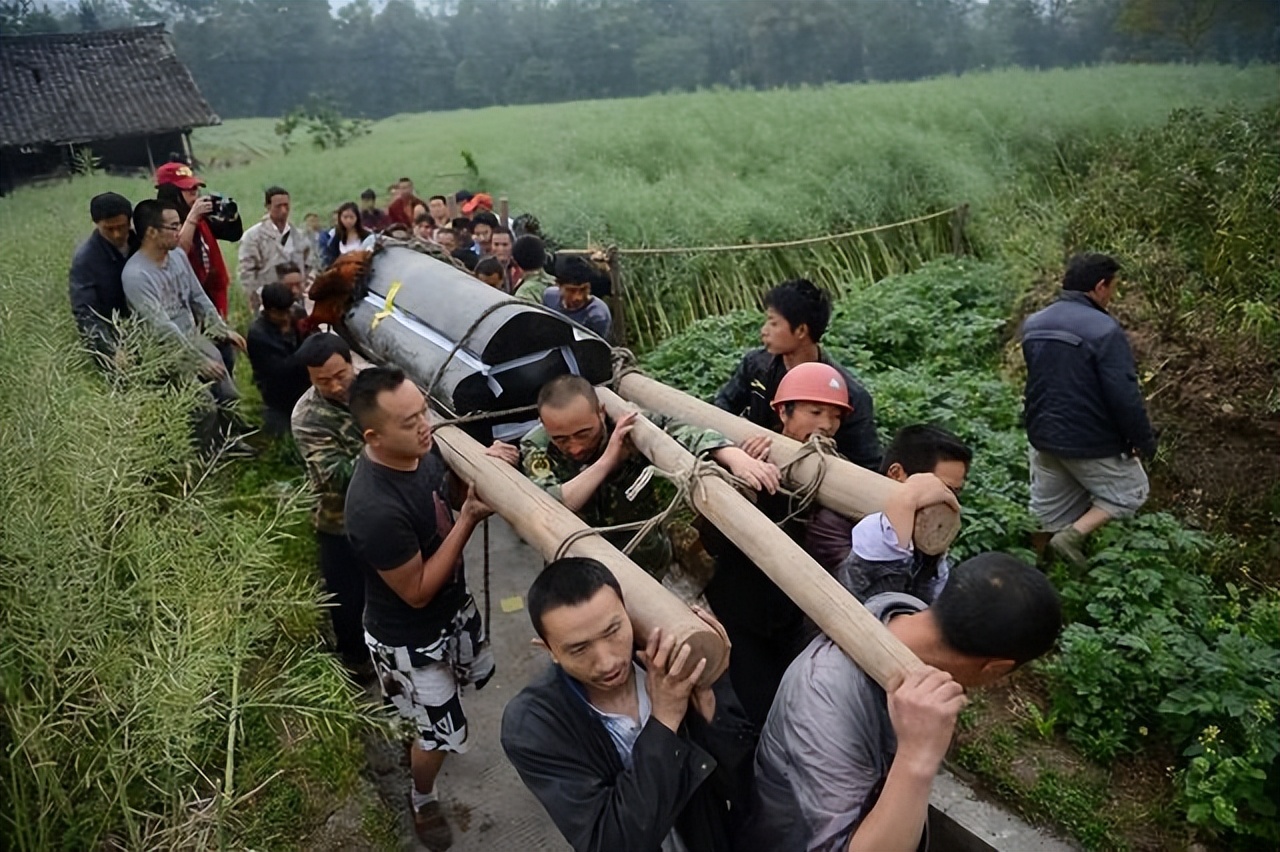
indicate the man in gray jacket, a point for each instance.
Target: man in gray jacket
{"x":1085,"y":416}
{"x":844,"y":767}
{"x":162,"y":289}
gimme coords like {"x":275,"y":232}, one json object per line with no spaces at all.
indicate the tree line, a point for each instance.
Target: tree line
{"x":373,"y":59}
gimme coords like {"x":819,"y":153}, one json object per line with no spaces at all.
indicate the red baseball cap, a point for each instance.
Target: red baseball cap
{"x":179,"y":175}
{"x":482,"y":199}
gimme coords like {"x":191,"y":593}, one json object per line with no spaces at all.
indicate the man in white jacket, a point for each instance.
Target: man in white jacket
{"x":269,"y":243}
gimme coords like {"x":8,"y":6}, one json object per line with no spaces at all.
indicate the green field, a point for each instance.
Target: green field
{"x":729,"y":167}
{"x":100,"y":497}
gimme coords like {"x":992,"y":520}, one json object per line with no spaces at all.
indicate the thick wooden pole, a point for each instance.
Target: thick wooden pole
{"x":836,"y":612}
{"x":544,"y":523}
{"x":846,"y":488}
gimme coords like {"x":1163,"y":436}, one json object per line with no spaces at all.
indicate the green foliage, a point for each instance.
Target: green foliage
{"x":1156,"y":650}
{"x":153,"y":653}
{"x":473,"y":170}
{"x":1074,"y":799}
{"x":1192,"y":208}
{"x":323,"y":123}
{"x":624,"y":173}
{"x":84,"y":162}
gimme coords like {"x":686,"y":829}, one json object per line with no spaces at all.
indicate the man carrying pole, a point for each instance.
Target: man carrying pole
{"x":583,"y":458}
{"x":844,"y":764}
{"x":421,"y":623}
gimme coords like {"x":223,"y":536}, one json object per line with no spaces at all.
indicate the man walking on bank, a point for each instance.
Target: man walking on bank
{"x":1085,"y":416}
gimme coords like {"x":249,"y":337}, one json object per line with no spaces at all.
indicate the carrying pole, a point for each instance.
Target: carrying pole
{"x":845,"y":488}
{"x":836,"y":612}
{"x":544,"y":523}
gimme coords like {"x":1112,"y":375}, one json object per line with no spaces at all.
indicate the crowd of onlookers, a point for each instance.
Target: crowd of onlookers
{"x":794,"y":746}
{"x":160,"y":259}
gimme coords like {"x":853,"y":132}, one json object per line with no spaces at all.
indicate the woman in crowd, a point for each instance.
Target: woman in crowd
{"x":348,"y":235}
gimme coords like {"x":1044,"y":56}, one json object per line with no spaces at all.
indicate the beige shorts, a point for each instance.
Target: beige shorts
{"x":1064,"y":489}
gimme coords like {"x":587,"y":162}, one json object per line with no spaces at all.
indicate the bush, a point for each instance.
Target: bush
{"x":1157,"y":651}
{"x":926,"y":346}
{"x":147,"y":617}
{"x":323,"y":123}
{"x":1192,"y":207}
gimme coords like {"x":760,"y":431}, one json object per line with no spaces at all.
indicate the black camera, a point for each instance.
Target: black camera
{"x":223,"y":207}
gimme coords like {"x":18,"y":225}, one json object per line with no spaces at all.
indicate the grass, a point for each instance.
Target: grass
{"x":162,"y":682}
{"x":730,"y":167}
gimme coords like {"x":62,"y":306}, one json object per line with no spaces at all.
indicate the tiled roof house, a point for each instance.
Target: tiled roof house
{"x":123,"y":94}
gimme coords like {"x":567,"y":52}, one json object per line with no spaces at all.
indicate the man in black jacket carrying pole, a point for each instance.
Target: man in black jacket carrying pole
{"x":625,"y":755}
{"x":1085,"y":416}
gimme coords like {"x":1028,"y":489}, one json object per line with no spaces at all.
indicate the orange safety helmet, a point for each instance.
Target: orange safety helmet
{"x":813,"y":381}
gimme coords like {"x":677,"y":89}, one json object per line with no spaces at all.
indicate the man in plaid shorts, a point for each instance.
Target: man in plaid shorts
{"x":421,"y":623}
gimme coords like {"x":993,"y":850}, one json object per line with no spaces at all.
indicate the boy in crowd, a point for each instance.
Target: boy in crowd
{"x":489,"y":270}
{"x":421,"y":623}
{"x":462,"y":234}
{"x":796,"y":317}
{"x":844,"y":765}
{"x":423,"y":226}
{"x":581,"y":456}
{"x":438,"y":207}
{"x":97,"y":294}
{"x":572,"y":295}
{"x":501,"y":243}
{"x":932,"y":465}
{"x":530,"y":254}
{"x":445,"y":238}
{"x":371,"y":217}
{"x":483,"y":224}
{"x":624,"y":754}
{"x":273,"y":341}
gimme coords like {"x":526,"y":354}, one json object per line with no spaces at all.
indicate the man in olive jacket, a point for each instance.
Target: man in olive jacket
{"x":625,"y":757}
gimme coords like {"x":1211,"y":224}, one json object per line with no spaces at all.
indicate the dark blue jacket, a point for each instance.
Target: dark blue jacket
{"x":280,"y":377}
{"x":1082,"y":399}
{"x":96,"y":291}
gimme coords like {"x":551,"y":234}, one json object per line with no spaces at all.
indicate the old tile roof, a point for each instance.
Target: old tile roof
{"x":66,"y":88}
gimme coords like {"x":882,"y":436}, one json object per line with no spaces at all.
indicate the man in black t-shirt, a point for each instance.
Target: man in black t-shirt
{"x":421,"y":623}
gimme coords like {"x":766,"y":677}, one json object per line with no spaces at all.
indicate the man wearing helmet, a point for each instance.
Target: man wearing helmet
{"x":765,"y":627}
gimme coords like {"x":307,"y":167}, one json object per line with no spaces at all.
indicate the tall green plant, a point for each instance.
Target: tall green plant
{"x":146,"y":617}
{"x":1193,"y":208}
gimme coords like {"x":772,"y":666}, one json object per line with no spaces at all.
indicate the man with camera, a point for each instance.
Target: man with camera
{"x":206,"y":218}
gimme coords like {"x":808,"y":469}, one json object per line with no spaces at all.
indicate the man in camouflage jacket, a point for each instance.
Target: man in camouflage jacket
{"x":330,"y":442}
{"x":582,"y":457}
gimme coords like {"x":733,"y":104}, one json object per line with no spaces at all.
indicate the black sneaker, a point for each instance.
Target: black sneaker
{"x":430,"y":825}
